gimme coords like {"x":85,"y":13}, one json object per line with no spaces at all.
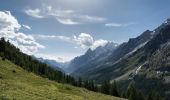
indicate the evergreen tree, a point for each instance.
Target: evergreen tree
{"x":91,"y":85}
{"x":105,"y":88}
{"x":132,"y":93}
{"x":140,"y":96}
{"x":79,"y":83}
{"x":154,"y":96}
{"x":114,"y":89}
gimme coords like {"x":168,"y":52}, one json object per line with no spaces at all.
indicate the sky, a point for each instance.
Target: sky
{"x":64,"y":29}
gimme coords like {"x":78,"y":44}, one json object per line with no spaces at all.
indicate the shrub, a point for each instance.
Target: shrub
{"x":3,"y":58}
{"x":13,"y":71}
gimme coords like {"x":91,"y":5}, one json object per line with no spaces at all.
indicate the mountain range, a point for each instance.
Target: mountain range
{"x":53,"y":63}
{"x":90,"y":55}
{"x":143,"y":61}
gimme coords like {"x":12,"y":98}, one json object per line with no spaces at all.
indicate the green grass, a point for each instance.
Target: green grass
{"x":18,"y":84}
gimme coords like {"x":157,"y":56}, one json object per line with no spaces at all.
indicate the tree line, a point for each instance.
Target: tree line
{"x":10,"y":52}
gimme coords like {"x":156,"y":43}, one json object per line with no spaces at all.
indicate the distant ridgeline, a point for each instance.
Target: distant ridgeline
{"x":13,"y":54}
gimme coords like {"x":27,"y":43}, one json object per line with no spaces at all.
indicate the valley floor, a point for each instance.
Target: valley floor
{"x":18,"y":84}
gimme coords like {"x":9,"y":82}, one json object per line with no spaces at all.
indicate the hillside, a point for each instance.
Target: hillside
{"x":88,"y":71}
{"x":18,"y":84}
{"x":128,"y":56}
{"x":79,"y":64}
{"x":148,"y":67}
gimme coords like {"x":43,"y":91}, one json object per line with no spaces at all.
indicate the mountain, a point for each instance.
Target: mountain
{"x":143,"y":61}
{"x":19,"y":84}
{"x":54,"y":64}
{"x":88,"y":71}
{"x":90,"y":55}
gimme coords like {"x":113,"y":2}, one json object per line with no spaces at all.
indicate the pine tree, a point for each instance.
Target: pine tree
{"x":79,"y":83}
{"x":91,"y":85}
{"x":86,"y":84}
{"x":114,"y":89}
{"x":132,"y":93}
{"x":105,"y":88}
{"x":154,"y":96}
{"x":140,"y":96}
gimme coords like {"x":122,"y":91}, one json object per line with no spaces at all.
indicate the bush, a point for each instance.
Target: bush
{"x":3,"y":58}
{"x":13,"y":71}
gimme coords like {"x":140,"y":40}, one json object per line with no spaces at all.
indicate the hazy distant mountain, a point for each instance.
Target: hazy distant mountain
{"x":90,"y":55}
{"x":54,"y":64}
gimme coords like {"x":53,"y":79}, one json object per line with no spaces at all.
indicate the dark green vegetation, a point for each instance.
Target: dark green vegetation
{"x":19,"y":84}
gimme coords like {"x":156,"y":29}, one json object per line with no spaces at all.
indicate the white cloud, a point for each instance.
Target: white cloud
{"x":83,"y":40}
{"x":36,"y":13}
{"x":67,"y":21}
{"x":63,"y":16}
{"x":27,"y":27}
{"x":8,"y":22}
{"x":118,"y":24}
{"x":9,"y":29}
{"x":87,"y":18}
{"x":57,"y":37}
{"x":98,"y":43}
{"x":61,"y":13}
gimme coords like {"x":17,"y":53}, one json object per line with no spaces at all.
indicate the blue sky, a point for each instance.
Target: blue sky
{"x":67,"y":28}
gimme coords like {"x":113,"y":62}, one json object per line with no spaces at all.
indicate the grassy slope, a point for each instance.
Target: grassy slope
{"x":23,"y":85}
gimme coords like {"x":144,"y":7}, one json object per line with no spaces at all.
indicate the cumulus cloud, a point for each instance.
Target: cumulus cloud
{"x":9,"y":29}
{"x":63,"y":16}
{"x":27,"y":27}
{"x":98,"y":43}
{"x":8,"y":22}
{"x":83,"y":40}
{"x":36,"y":13}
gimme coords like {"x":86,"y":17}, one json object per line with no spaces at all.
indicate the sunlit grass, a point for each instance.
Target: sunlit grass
{"x":18,"y":84}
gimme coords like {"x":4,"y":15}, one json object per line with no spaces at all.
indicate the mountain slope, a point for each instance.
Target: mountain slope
{"x":54,"y":64}
{"x":148,"y":67}
{"x":93,"y":68}
{"x":84,"y":60}
{"x":18,"y":84}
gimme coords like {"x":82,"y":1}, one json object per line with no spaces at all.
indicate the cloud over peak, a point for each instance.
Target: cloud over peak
{"x":83,"y":40}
